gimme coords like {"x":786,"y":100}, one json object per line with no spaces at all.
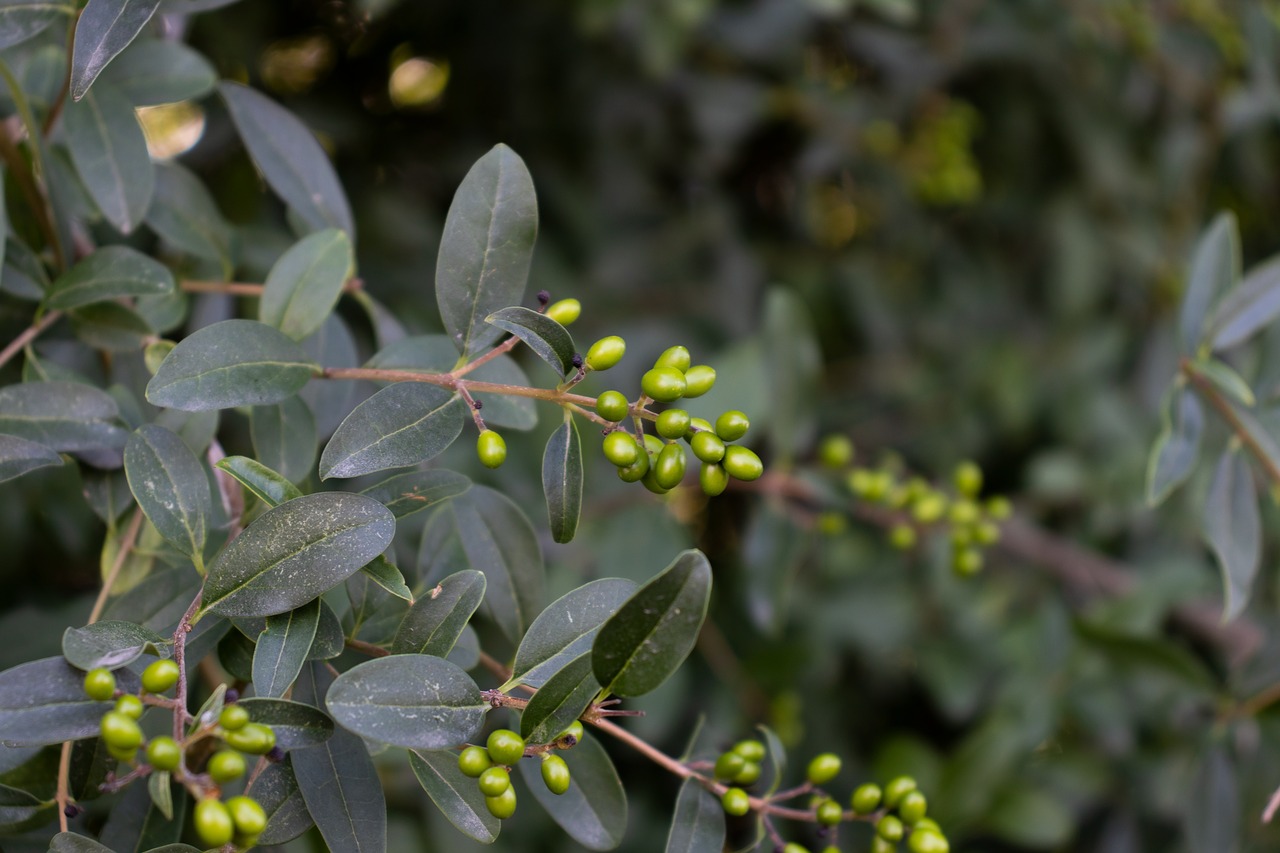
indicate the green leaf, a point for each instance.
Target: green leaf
{"x":1226,"y":380}
{"x":454,"y":794}
{"x":1176,"y":450}
{"x":22,"y":19}
{"x":559,"y":701}
{"x":63,"y":416}
{"x":486,"y":247}
{"x":185,"y":215}
{"x":698,"y":823}
{"x":1212,"y":816}
{"x":110,"y":644}
{"x":414,"y":701}
{"x":435,"y":621}
{"x":1247,"y":309}
{"x":228,"y":364}
{"x":305,"y":283}
{"x":1036,"y":819}
{"x":1215,"y":268}
{"x":135,"y":824}
{"x":266,"y":485}
{"x":109,"y":273}
{"x":594,"y":809}
{"x":289,"y":157}
{"x":110,"y":155}
{"x":104,"y":29}
{"x":343,"y":794}
{"x":154,"y":71}
{"x":641,"y":645}
{"x":161,"y":794}
{"x":401,"y":425}
{"x":775,"y":758}
{"x":545,"y":336}
{"x":405,"y":494}
{"x":567,"y":629}
{"x":43,"y":702}
{"x":18,"y":456}
{"x":562,"y":480}
{"x":276,"y":790}
{"x":282,"y":649}
{"x":69,"y":842}
{"x":297,"y":725}
{"x":284,"y":437}
{"x":171,"y":487}
{"x":382,"y":572}
{"x":1233,"y":529}
{"x":110,"y":326}
{"x":21,"y":809}
{"x":295,"y":552}
{"x":793,"y":367}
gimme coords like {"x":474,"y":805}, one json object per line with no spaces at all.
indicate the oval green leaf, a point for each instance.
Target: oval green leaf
{"x":304,"y":285}
{"x":110,"y":644}
{"x":698,"y":823}
{"x":559,"y":701}
{"x":43,"y":702}
{"x":545,"y":336}
{"x":282,"y":649}
{"x":266,"y":485}
{"x":170,"y":485}
{"x":104,"y":29}
{"x":1176,"y":450}
{"x":401,"y":425}
{"x":110,"y":154}
{"x":21,"y":20}
{"x":454,"y":794}
{"x":567,"y":629}
{"x":1233,"y":529}
{"x":385,"y":574}
{"x":562,"y":480}
{"x":154,"y":71}
{"x":297,"y":725}
{"x":405,"y":494}
{"x":284,"y":437}
{"x":185,"y":215}
{"x":276,"y":790}
{"x":18,"y":456}
{"x":435,"y":621}
{"x":63,"y":416}
{"x":1215,"y":269}
{"x":594,"y":809}
{"x":109,"y":273}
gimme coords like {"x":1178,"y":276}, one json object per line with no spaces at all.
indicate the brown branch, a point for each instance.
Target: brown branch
{"x":366,"y":648}
{"x":29,"y":334}
{"x":241,"y":288}
{"x":1209,"y":392}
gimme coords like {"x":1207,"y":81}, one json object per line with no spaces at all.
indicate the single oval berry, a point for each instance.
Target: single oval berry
{"x":99,"y":684}
{"x":226,"y":765}
{"x":902,"y":536}
{"x":491,"y":448}
{"x":751,"y":750}
{"x":866,"y":798}
{"x":879,"y":845}
{"x":504,"y":806}
{"x":986,"y":533}
{"x":254,"y":738}
{"x":929,"y":507}
{"x":742,"y":463}
{"x":698,"y":380}
{"x":606,"y":352}
{"x":621,"y":449}
{"x":713,"y":479}
{"x":247,"y":815}
{"x":495,"y":781}
{"x":575,"y":731}
{"x":697,"y":425}
{"x":823,"y":768}
{"x":928,"y":841}
{"x":835,"y":451}
{"x":749,"y":774}
{"x":677,"y":358}
{"x":555,"y":773}
{"x":729,"y":765}
{"x":636,"y":471}
{"x":233,"y":717}
{"x":912,"y":808}
{"x":120,"y":731}
{"x":122,"y":754}
{"x":735,"y":802}
{"x":664,"y":384}
{"x":612,"y":406}
{"x":707,"y":446}
{"x":131,"y":706}
{"x":668,"y":471}
{"x":968,"y":479}
{"x":163,"y":753}
{"x":213,"y":822}
{"x":673,"y":423}
{"x":565,"y":311}
{"x":897,"y":789}
{"x":732,"y":425}
{"x":473,"y":761}
{"x":160,"y":676}
{"x":890,"y":828}
{"x":966,"y":562}
{"x":999,"y":508}
{"x":792,"y":847}
{"x":829,"y":813}
{"x":651,"y":483}
{"x":505,"y":746}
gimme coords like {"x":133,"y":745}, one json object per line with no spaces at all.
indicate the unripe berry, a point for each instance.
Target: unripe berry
{"x":890,"y":828}
{"x":926,"y":824}
{"x":697,"y":425}
{"x":669,"y":469}
{"x":160,"y":676}
{"x":964,"y":512}
{"x":163,"y":753}
{"x":473,"y":761}
{"x":555,"y":773}
{"x":866,"y":798}
{"x":968,"y":479}
{"x":664,"y":384}
{"x":735,"y":802}
{"x":698,"y":380}
{"x":131,"y":706}
{"x":835,"y":451}
{"x":504,"y":806}
{"x":792,"y":847}
{"x":732,"y":425}
{"x":253,"y":738}
{"x":495,"y":781}
{"x":912,"y":808}
{"x":673,"y":423}
{"x":226,"y":765}
{"x":986,"y":533}
{"x":120,"y":731}
{"x":713,"y":479}
{"x":729,"y":765}
{"x":879,"y":845}
{"x":742,"y":463}
{"x":749,"y":774}
{"x":612,"y":406}
{"x":966,"y":562}
{"x":832,"y":523}
{"x":247,"y":815}
{"x":233,"y":717}
{"x":650,"y":481}
{"x":897,"y":789}
{"x":491,"y":448}
{"x":929,"y":507}
{"x":999,"y":508}
{"x":829,"y":813}
{"x":213,"y":822}
{"x":751,"y":750}
{"x":677,"y":358}
{"x":99,"y":684}
{"x":505,"y":746}
{"x":928,"y":841}
{"x":902,"y":537}
{"x":823,"y":768}
{"x":708,"y":447}
{"x":565,"y":311}
{"x":574,"y":731}
{"x":122,"y":753}
{"x":621,"y":449}
{"x":636,"y":471}
{"x":606,"y":352}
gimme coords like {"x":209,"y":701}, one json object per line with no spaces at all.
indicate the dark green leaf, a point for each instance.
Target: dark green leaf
{"x":43,"y":702}
{"x":104,"y":29}
{"x":155,"y":71}
{"x":435,"y":621}
{"x":486,"y":247}
{"x":566,"y":629}
{"x":289,"y":157}
{"x":415,"y":701}
{"x":282,"y":649}
{"x":544,"y":336}
{"x":594,"y":809}
{"x":1032,"y":818}
{"x":18,"y":456}
{"x":405,"y":494}
{"x":110,"y":644}
{"x":109,"y":273}
{"x":20,"y":809}
{"x":23,"y":274}
{"x":1212,"y":816}
{"x":266,"y":485}
{"x":158,"y":601}
{"x":1233,"y":529}
{"x":276,"y":790}
{"x":135,"y":824}
{"x":559,"y":701}
{"x":284,"y":437}
{"x":228,"y":364}
{"x":454,"y":794}
{"x":403,"y":424}
{"x":642,"y":644}
{"x":110,"y":155}
{"x":69,"y":842}
{"x":63,"y":416}
{"x":562,"y":480}
{"x":185,"y":215}
{"x":297,"y":725}
{"x":23,"y":19}
{"x":110,"y":326}
{"x":295,"y":552}
{"x":171,"y":487}
{"x":1248,"y":308}
{"x":1174,"y":454}
{"x":305,"y":283}
{"x":1215,"y":269}
{"x":161,"y":794}
{"x":698,"y":824}
{"x":382,"y":572}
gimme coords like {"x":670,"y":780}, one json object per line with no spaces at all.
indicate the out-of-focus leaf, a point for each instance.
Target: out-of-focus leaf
{"x":1227,"y":381}
{"x":698,"y":823}
{"x":401,"y":425}
{"x":435,"y":621}
{"x":1177,"y":448}
{"x":109,"y":273}
{"x":566,"y":629}
{"x":110,"y":326}
{"x":305,"y":283}
{"x":545,"y":336}
{"x":1248,"y":308}
{"x":562,"y":480}
{"x":1211,"y":816}
{"x":110,"y":644}
{"x":594,"y":809}
{"x":1233,"y":529}
{"x":110,"y":155}
{"x":284,"y":437}
{"x":44,"y":702}
{"x":792,"y":364}
{"x":455,"y":795}
{"x":18,"y":456}
{"x":155,"y":71}
{"x":405,"y":494}
{"x":1215,"y":269}
{"x":184,"y":214}
{"x":266,"y":485}
{"x":171,"y":487}
{"x":21,"y":20}
{"x":103,"y":30}
{"x":63,"y":416}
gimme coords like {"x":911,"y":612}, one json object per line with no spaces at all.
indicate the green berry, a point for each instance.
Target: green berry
{"x":636,"y":471}
{"x":742,"y":463}
{"x":606,"y":352}
{"x":832,"y":523}
{"x":897,"y":789}
{"x":555,"y":773}
{"x":664,"y":384}
{"x":120,"y":731}
{"x":213,"y":822}
{"x":160,"y":676}
{"x":736,"y":802}
{"x":650,"y":482}
{"x":673,"y":423}
{"x":163,"y":753}
{"x":707,"y":446}
{"x":247,"y":815}
{"x":697,"y":425}
{"x":749,"y":773}
{"x":999,"y":508}
{"x":961,"y":537}
{"x":491,"y":448}
{"x":99,"y":684}
{"x":829,"y":813}
{"x":929,"y":507}
{"x":233,"y":717}
{"x":751,"y":750}
{"x":964,"y":512}
{"x":879,"y":845}
{"x":122,"y":754}
{"x":831,"y":849}
{"x":676,"y":358}
{"x":732,"y":425}
{"x":866,"y":798}
{"x":574,"y":731}
{"x":966,"y":562}
{"x":253,"y":738}
{"x":698,"y":380}
{"x":890,"y":828}
{"x":729,"y":765}
{"x":612,"y":406}
{"x":902,"y":537}
{"x":621,"y":449}
{"x":131,"y":706}
{"x":669,"y":468}
{"x":495,"y":781}
{"x":912,"y":808}
{"x":823,"y":768}
{"x":792,"y":847}
{"x":835,"y":451}
{"x":505,"y":746}
{"x":565,"y":311}
{"x":503,"y":806}
{"x":713,"y":479}
{"x":473,"y":761}
{"x":986,"y":533}
{"x":928,"y":841}
{"x":968,"y":479}
{"x":226,"y":765}
{"x":926,"y":824}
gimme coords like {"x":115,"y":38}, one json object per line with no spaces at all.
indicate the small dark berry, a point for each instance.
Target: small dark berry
{"x":543,"y":297}
{"x":232,"y":695}
{"x":577,"y":360}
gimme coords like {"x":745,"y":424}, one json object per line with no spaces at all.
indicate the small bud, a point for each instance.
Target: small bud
{"x":543,"y":297}
{"x":232,"y":695}
{"x":577,"y":360}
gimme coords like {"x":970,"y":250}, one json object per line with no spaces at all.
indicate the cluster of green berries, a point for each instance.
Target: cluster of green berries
{"x":899,"y":812}
{"x":490,"y":765}
{"x":739,"y":766}
{"x":240,"y":819}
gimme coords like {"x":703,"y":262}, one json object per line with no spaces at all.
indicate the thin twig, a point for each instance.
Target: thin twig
{"x":366,"y":648}
{"x":242,"y":288}
{"x":30,"y":333}
{"x":180,"y":714}
{"x":453,"y":383}
{"x":506,"y":346}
